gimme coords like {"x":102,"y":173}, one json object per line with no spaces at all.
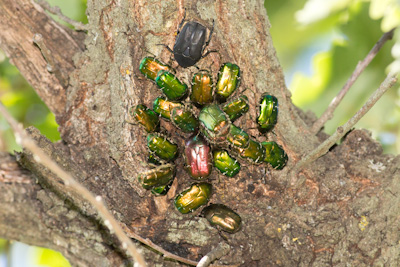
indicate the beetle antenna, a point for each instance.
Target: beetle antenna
{"x":211,"y":32}
{"x":198,"y":69}
{"x":154,"y":55}
{"x":180,"y":24}
{"x":166,"y":46}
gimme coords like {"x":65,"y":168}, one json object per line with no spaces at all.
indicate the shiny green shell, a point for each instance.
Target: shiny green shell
{"x":225,"y":163}
{"x":161,"y":147}
{"x":237,"y":137}
{"x":152,"y":160}
{"x":150,"y":67}
{"x":163,"y":107}
{"x":160,"y":176}
{"x":146,"y":117}
{"x":194,"y":197}
{"x":222,"y":217}
{"x":171,"y":86}
{"x":236,"y":108}
{"x":254,"y":152}
{"x":275,"y":155}
{"x":268,"y":115}
{"x":202,"y":88}
{"x":162,"y":190}
{"x":184,"y":119}
{"x":228,"y":81}
{"x":215,"y":124}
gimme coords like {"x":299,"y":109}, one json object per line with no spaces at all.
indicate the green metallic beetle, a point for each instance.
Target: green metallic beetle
{"x":161,"y":147}
{"x":162,"y":190}
{"x":222,"y":217}
{"x":254,"y":153}
{"x":237,"y":137}
{"x":150,"y":67}
{"x":202,"y":88}
{"x":171,"y":86}
{"x":214,"y":124}
{"x":146,"y":117}
{"x":225,"y":163}
{"x":275,"y":155}
{"x":190,"y":199}
{"x":268,"y":116}
{"x":157,"y":177}
{"x":236,"y":107}
{"x":163,"y":107}
{"x":228,"y":81}
{"x":152,"y":160}
{"x":182,"y":117}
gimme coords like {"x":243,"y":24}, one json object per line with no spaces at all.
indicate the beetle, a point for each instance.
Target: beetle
{"x":275,"y":155}
{"x":222,"y":217}
{"x":254,"y":152}
{"x":159,"y":176}
{"x":161,"y":147}
{"x":190,"y":43}
{"x":225,"y":163}
{"x":214,"y":124}
{"x":183,"y":118}
{"x":193,"y":197}
{"x":268,"y":115}
{"x":172,"y":88}
{"x":237,"y":137}
{"x":228,"y":81}
{"x":198,"y":157}
{"x":202,"y":88}
{"x":146,"y":117}
{"x":150,"y":66}
{"x":236,"y":107}
{"x":163,"y":107}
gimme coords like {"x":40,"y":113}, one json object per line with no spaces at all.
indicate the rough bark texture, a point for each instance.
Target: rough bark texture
{"x":343,"y":210}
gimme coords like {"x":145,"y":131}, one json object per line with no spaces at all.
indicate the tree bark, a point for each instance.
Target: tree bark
{"x":342,"y":208}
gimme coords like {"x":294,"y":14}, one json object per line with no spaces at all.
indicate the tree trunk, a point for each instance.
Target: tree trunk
{"x":341,"y":209}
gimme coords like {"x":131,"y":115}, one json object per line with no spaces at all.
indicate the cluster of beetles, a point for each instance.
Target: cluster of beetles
{"x":215,"y":140}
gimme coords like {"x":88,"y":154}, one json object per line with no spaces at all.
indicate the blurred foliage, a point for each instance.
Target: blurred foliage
{"x":48,"y":257}
{"x":25,"y":106}
{"x":3,"y":245}
{"x":21,"y":100}
{"x":319,"y":53}
{"x":74,"y":9}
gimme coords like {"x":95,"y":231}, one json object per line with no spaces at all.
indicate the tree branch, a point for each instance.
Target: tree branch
{"x":25,"y":141}
{"x":168,"y":255}
{"x":342,"y":130}
{"x":38,"y":216}
{"x":57,"y":11}
{"x":328,"y":113}
{"x":221,"y":250}
{"x":20,"y":22}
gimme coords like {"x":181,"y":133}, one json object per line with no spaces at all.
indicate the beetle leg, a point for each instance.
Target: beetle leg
{"x":222,"y":234}
{"x":209,"y":52}
{"x":131,"y":122}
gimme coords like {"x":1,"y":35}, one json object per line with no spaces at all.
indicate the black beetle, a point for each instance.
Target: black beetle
{"x":190,"y":43}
